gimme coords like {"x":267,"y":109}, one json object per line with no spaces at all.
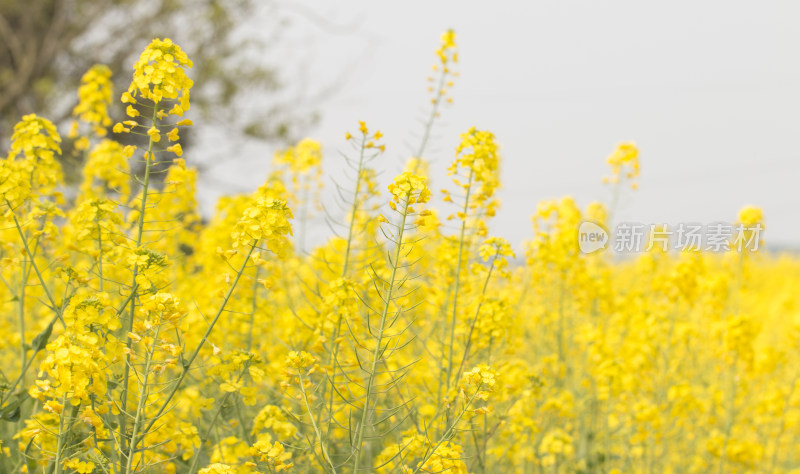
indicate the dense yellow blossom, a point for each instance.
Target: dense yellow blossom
{"x":94,"y":99}
{"x":410,"y":188}
{"x":266,"y":219}
{"x":32,"y":166}
{"x":160,"y":73}
{"x":107,"y":167}
{"x":624,"y":163}
{"x":478,"y":158}
{"x":305,"y":155}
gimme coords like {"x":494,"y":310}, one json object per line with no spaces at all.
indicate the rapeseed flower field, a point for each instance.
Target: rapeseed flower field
{"x":142,"y":338}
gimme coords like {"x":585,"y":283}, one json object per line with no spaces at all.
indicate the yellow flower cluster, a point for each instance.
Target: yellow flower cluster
{"x":409,"y":188}
{"x":624,"y":163}
{"x":15,"y":189}
{"x":108,"y":163}
{"x":479,"y":382}
{"x":272,"y":418}
{"x":340,"y":300}
{"x":301,"y":158}
{"x":274,"y":455}
{"x":477,"y":157}
{"x":94,"y":98}
{"x":496,"y":248}
{"x":77,"y":362}
{"x":160,"y":73}
{"x":446,"y":51}
{"x":150,"y":266}
{"x":299,"y":360}
{"x":163,"y":308}
{"x":751,"y":215}
{"x":418,"y":166}
{"x":217,"y":468}
{"x":35,"y":143}
{"x":80,"y":467}
{"x":266,"y":220}
{"x":448,"y":457}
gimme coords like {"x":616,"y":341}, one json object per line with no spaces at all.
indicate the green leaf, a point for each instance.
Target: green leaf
{"x":12,"y":410}
{"x":40,"y":341}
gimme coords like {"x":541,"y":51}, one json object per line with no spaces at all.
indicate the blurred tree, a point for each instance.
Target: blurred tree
{"x":46,"y":45}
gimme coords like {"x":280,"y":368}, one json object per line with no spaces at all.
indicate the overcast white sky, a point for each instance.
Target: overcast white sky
{"x":709,"y":91}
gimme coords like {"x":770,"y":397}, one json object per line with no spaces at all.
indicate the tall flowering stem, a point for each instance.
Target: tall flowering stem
{"x":265,"y":221}
{"x":477,"y":156}
{"x":366,"y":144}
{"x":407,"y":190}
{"x":447,"y":56}
{"x":159,"y":78}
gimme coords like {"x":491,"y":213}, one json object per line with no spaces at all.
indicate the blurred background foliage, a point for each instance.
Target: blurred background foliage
{"x":240,"y":86}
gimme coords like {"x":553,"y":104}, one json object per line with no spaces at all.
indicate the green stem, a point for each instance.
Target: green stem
{"x":301,"y":237}
{"x":23,"y":284}
{"x":354,"y":208}
{"x":378,"y":343}
{"x":188,"y":363}
{"x":782,"y":428}
{"x":334,"y":351}
{"x":148,"y":158}
{"x":253,"y":309}
{"x":140,"y":414}
{"x":63,"y":432}
{"x":432,"y":117}
{"x":442,"y":315}
{"x":212,"y":424}
{"x":100,"y":254}
{"x":207,"y":435}
{"x":561,"y":322}
{"x":47,"y":293}
{"x":475,"y":321}
{"x":458,"y":281}
{"x":314,"y":423}
{"x":731,"y":415}
{"x":448,"y":434}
